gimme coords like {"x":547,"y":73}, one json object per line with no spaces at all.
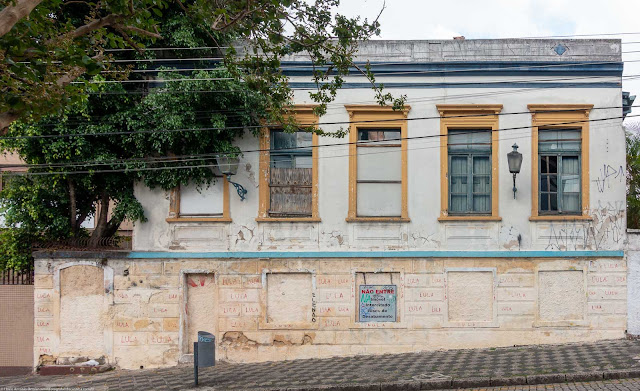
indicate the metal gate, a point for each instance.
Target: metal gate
{"x":16,"y":322}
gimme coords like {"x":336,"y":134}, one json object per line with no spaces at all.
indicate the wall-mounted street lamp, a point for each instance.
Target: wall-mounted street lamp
{"x":515,"y":162}
{"x":228,"y":165}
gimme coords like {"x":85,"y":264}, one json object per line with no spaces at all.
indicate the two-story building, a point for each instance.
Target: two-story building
{"x":407,"y":234}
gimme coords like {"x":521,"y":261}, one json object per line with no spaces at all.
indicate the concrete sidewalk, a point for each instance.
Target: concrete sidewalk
{"x":429,"y":370}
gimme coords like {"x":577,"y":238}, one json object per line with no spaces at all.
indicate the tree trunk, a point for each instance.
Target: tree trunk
{"x":101,"y":222}
{"x":11,"y":14}
{"x":73,"y":220}
{"x":7,"y":119}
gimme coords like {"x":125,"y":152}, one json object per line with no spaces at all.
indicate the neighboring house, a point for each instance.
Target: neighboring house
{"x":403,"y":236}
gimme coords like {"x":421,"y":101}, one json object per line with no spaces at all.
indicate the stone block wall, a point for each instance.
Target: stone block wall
{"x":145,"y":313}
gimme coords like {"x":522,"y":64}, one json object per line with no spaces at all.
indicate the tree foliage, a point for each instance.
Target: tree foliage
{"x":58,"y":77}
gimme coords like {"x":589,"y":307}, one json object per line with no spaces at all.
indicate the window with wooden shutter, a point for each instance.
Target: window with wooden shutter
{"x":290,"y":174}
{"x":288,"y":180}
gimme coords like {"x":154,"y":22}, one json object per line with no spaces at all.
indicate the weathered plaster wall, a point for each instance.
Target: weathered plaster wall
{"x":424,"y":232}
{"x":81,"y":307}
{"x":289,"y":308}
{"x":633,"y":260}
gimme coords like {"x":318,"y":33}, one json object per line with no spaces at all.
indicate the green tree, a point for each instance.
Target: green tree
{"x":69,"y":175}
{"x":49,"y":48}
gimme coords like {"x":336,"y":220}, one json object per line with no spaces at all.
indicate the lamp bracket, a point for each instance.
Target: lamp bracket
{"x":242,"y":192}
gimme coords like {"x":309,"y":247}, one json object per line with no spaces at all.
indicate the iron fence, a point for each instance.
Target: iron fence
{"x":16,"y":277}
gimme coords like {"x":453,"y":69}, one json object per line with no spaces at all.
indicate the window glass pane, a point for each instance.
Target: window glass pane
{"x":553,"y":201}
{"x":377,"y":136}
{"x":458,"y":203}
{"x":570,"y":184}
{"x":481,"y":184}
{"x":379,"y":199}
{"x":303,"y":161}
{"x":553,"y":183}
{"x":458,"y":165}
{"x":206,"y":202}
{"x":379,"y":163}
{"x":481,"y":203}
{"x":291,"y":150}
{"x":553,"y":164}
{"x":481,"y":165}
{"x":458,"y":184}
{"x":570,"y":165}
{"x":282,"y":161}
{"x":544,"y":182}
{"x":559,"y":139}
{"x":469,"y":139}
{"x":544,"y":201}
{"x":571,"y":202}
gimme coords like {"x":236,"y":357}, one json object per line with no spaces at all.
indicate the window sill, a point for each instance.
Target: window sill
{"x":378,"y":219}
{"x":469,"y":218}
{"x":288,"y":219}
{"x":561,"y":218}
{"x":198,"y":219}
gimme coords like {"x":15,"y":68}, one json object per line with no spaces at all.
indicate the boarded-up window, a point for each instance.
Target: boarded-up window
{"x":206,"y":201}
{"x":291,"y":177}
{"x":379,"y":177}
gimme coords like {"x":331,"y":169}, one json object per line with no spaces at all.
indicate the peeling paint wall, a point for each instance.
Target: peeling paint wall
{"x":606,"y":230}
{"x":276,"y":309}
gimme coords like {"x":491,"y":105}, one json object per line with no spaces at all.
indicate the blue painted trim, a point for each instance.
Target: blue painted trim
{"x":375,"y":254}
{"x":505,"y":84}
{"x":472,"y":68}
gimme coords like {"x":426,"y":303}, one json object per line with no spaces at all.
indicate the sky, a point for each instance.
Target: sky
{"x":474,"y":19}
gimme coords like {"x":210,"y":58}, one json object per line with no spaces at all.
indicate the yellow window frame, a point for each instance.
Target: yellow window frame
{"x":549,"y":116}
{"x":174,"y":207}
{"x":468,"y":116}
{"x":376,"y":116}
{"x":304,"y":115}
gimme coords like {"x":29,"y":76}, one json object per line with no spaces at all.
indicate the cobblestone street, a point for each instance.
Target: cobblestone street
{"x":520,"y":367}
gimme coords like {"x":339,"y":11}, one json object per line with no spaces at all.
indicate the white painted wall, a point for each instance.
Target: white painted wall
{"x":424,"y":232}
{"x":633,"y":283}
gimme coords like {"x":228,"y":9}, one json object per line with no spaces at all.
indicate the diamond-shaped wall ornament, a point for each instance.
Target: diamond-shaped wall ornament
{"x":560,"y":49}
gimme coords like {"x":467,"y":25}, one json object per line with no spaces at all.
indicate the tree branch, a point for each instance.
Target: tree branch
{"x":140,"y":31}
{"x":11,"y":14}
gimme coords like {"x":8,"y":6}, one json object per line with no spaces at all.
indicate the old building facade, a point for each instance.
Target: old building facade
{"x":404,"y":235}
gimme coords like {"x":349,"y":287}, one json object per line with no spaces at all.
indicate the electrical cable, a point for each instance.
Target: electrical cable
{"x":118,"y":133}
{"x":288,"y":149}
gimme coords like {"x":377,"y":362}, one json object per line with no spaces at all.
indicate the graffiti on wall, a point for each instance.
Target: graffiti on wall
{"x":606,"y":227}
{"x":608,"y":176}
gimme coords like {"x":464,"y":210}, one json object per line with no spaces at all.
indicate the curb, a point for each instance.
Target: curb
{"x":471,"y":382}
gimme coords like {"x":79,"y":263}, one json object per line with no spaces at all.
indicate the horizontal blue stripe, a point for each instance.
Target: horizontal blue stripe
{"x":505,"y":84}
{"x":471,"y":68}
{"x":375,"y":254}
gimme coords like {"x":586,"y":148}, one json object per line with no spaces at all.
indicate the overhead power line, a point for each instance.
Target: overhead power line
{"x":213,"y":155}
{"x":160,"y":131}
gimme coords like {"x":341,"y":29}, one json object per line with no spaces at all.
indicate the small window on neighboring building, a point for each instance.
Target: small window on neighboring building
{"x":206,"y":201}
{"x":290,"y":174}
{"x":469,"y":152}
{"x":559,"y":177}
{"x":379,"y":173}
